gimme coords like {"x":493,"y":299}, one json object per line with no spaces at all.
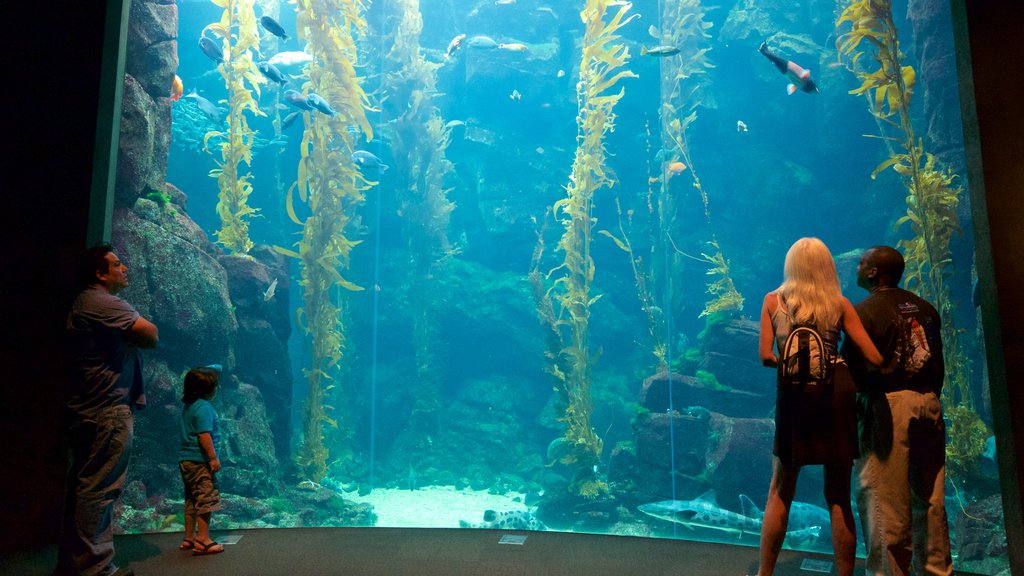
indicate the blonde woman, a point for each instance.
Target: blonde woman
{"x":812,"y":428}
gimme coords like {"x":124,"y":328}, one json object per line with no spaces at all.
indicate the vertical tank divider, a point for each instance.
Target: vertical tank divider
{"x":108,"y":121}
{"x":376,"y":275}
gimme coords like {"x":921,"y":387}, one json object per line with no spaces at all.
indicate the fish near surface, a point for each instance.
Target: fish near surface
{"x":290,"y":59}
{"x":274,"y":27}
{"x":798,"y":77}
{"x":482,"y":43}
{"x":296,"y":99}
{"x":212,"y":50}
{"x":674,"y":169}
{"x":317,"y":101}
{"x":177,"y":88}
{"x":659,"y":51}
{"x":367,"y":159}
{"x":207,"y":107}
{"x":272,"y":73}
{"x":271,"y":290}
{"x":454,"y":45}
{"x":290,"y":119}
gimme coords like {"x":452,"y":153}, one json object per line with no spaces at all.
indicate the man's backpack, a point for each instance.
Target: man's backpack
{"x":805,"y":364}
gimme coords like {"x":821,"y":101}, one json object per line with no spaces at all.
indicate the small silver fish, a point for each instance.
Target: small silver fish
{"x":290,"y":59}
{"x":290,"y":119}
{"x":209,"y":108}
{"x":270,"y":291}
{"x":454,"y":45}
{"x":659,"y":51}
{"x":482,"y":42}
{"x":741,"y":126}
{"x":515,"y":96}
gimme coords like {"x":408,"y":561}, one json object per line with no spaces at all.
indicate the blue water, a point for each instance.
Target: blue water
{"x":801,"y":169}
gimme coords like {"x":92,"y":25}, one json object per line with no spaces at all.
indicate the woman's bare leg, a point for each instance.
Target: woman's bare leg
{"x":776,"y":514}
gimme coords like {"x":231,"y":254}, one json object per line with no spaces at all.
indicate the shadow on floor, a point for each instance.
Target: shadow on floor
{"x":428,"y":552}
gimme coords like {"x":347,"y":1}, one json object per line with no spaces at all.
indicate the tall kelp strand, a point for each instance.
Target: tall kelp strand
{"x":603,"y":57}
{"x":684,"y":81}
{"x":418,"y":144}
{"x":238,"y":30}
{"x":932,"y":199}
{"x":332,"y":188}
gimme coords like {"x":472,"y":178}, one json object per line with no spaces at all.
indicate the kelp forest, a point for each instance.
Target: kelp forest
{"x":506,"y":251}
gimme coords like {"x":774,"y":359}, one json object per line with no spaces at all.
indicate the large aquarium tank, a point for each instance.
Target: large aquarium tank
{"x":499,"y":264}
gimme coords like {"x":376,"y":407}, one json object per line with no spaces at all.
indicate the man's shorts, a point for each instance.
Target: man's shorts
{"x":201,"y":493}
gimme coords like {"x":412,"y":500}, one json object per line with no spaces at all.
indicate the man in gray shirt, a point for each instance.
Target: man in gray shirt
{"x":105,"y":334}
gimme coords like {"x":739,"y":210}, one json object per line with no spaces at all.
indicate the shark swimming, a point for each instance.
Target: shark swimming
{"x":704,"y":512}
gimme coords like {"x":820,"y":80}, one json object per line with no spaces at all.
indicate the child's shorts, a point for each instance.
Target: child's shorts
{"x":201,"y":493}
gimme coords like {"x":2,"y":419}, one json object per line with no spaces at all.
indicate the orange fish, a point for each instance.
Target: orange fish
{"x":177,"y":88}
{"x":675,"y":168}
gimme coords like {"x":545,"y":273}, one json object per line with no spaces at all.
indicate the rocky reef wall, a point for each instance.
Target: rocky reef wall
{"x":210,"y":307}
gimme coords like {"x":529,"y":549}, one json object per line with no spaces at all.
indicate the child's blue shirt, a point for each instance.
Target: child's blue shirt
{"x":196,"y":418}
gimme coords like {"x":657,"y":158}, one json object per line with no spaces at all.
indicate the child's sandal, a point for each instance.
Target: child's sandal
{"x":186,"y":545}
{"x":213,"y":547}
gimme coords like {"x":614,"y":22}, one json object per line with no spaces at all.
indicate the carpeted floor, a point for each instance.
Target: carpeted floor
{"x":429,"y":552}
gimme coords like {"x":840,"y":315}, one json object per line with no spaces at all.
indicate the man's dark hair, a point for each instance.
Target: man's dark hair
{"x":889,"y":263}
{"x":93,"y":261}
{"x":200,"y":383}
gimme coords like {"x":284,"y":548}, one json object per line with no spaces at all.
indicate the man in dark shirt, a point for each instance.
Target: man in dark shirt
{"x":902,"y":468}
{"x":105,"y":334}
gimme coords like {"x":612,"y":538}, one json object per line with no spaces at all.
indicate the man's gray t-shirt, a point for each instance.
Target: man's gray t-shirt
{"x":105,"y":370}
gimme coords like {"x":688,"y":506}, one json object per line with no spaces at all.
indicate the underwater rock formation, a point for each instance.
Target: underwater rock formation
{"x":179,"y":287}
{"x":158,"y":432}
{"x":152,"y":51}
{"x":261,"y":345}
{"x":250,"y":465}
{"x":937,"y":82}
{"x":755,"y":20}
{"x":728,"y":351}
{"x":979,"y":536}
{"x":151,"y":60}
{"x":178,"y":283}
{"x":144,"y":143}
{"x":182,"y":288}
{"x":685,"y":429}
{"x":733,"y":455}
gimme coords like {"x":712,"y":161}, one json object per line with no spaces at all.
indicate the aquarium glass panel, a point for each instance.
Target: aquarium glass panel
{"x":501,"y":264}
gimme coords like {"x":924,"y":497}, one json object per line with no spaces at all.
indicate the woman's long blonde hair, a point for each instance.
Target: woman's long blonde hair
{"x":810,"y":288}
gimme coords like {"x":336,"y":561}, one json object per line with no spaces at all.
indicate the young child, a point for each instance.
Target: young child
{"x":198,"y":460}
